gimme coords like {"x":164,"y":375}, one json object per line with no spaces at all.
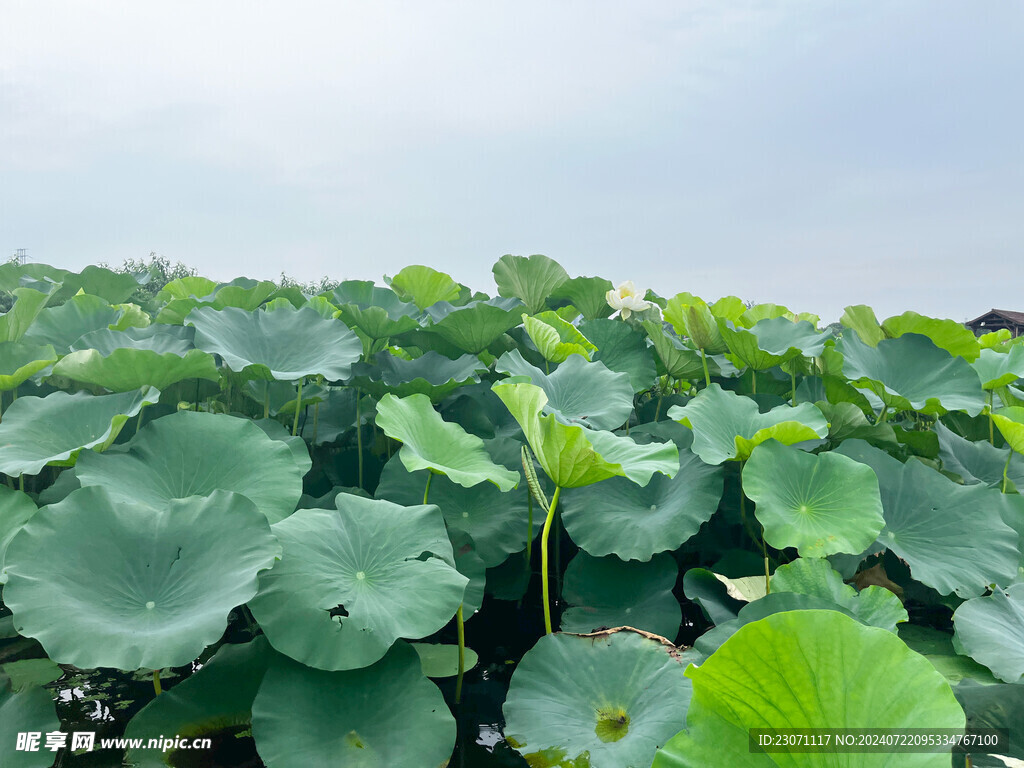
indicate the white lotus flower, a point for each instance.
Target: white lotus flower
{"x":627,"y":299}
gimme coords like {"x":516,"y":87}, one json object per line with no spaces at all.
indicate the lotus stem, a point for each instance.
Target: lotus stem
{"x":460,"y":626}
{"x":767,"y":577}
{"x":991,"y":431}
{"x":792,"y":378}
{"x":529,"y":529}
{"x":704,"y":362}
{"x":426,"y":491}
{"x":21,"y":483}
{"x":359,"y":439}
{"x":298,"y":404}
{"x":883,"y":415}
{"x":266,"y":403}
{"x":156,"y":682}
{"x":316,"y":419}
{"x":657,"y":408}
{"x":138,"y":424}
{"x":753,"y":381}
{"x":544,"y":558}
{"x":1006,"y":468}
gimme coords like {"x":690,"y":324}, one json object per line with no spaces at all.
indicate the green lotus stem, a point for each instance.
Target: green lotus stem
{"x":883,"y":415}
{"x":359,"y":440}
{"x":753,"y":381}
{"x":1006,"y":468}
{"x":14,"y":394}
{"x":426,"y":491}
{"x":544,"y":558}
{"x":460,"y":626}
{"x":21,"y":483}
{"x":138,"y":424}
{"x":767,"y":578}
{"x":657,"y":408}
{"x":704,"y":362}
{"x":991,"y":431}
{"x":298,"y":405}
{"x":316,"y":418}
{"x":156,"y":682}
{"x":266,"y":403}
{"x":792,"y":378}
{"x":529,"y":529}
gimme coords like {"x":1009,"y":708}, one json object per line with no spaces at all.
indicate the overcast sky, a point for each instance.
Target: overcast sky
{"x":814,"y":154}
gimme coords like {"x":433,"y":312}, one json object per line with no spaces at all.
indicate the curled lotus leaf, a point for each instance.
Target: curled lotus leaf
{"x":954,"y":337}
{"x":606,"y":700}
{"x":531,"y":279}
{"x":578,"y":391}
{"x":693,"y":319}
{"x":587,"y":294}
{"x":772,"y":341}
{"x":352,"y":581}
{"x":388,"y":715}
{"x":474,"y":327}
{"x":286,"y":345}
{"x":101,"y":582}
{"x":623,"y":349}
{"x":37,"y":431}
{"x":424,"y":286}
{"x":820,"y":504}
{"x":930,"y":521}
{"x":1010,"y":422}
{"x":978,"y":462}
{"x":430,"y":442}
{"x":677,"y":359}
{"x":28,"y":711}
{"x":163,"y":339}
{"x":16,"y":508}
{"x":194,"y":454}
{"x":991,"y":631}
{"x":574,"y":456}
{"x":556,"y":339}
{"x":911,"y":373}
{"x":28,"y":303}
{"x":20,"y":361}
{"x":727,"y":426}
{"x":998,"y":369}
{"x":63,"y":325}
{"x":126,"y":369}
{"x":431,"y":374}
{"x":769,"y":673}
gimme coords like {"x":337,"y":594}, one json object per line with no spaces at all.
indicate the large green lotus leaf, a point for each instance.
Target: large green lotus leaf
{"x":587,"y":294}
{"x":691,"y":317}
{"x":911,"y":373}
{"x":954,"y":337}
{"x":430,"y":374}
{"x":194,"y":454}
{"x":164,"y":339}
{"x":188,"y":287}
{"x":991,"y":630}
{"x":772,"y":341}
{"x":28,"y":303}
{"x":214,"y":702}
{"x":528,"y":278}
{"x":607,"y":592}
{"x":102,"y":582}
{"x":430,"y":442}
{"x":111,"y":286}
{"x":768,"y":311}
{"x":20,"y":361}
{"x":813,"y":576}
{"x":938,"y":648}
{"x":938,"y":526}
{"x":284,"y":345}
{"x":1010,"y":422}
{"x":578,"y":392}
{"x":439,"y":660}
{"x":861,"y":318}
{"x":660,"y":516}
{"x":771,"y":674}
{"x":333,"y":417}
{"x":37,"y":431}
{"x":847,"y":422}
{"x":388,"y":715}
{"x":819,"y":504}
{"x":574,"y":456}
{"x":678,"y":360}
{"x":602,"y":702}
{"x":556,"y":339}
{"x":15,"y":510}
{"x":30,"y":711}
{"x":997,"y":369}
{"x":353,"y":581}
{"x":993,"y":706}
{"x":496,"y":521}
{"x":476,"y":326}
{"x":469,"y":564}
{"x":14,"y":274}
{"x":977,"y":462}
{"x":128,"y":369}
{"x":296,"y":444}
{"x":364,"y":294}
{"x":192,"y":292}
{"x":375,"y":322}
{"x":622,"y":348}
{"x":423,"y":286}
{"x":727,"y":426}
{"x":63,"y":325}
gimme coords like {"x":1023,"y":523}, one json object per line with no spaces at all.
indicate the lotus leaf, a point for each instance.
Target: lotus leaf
{"x":727,"y":426}
{"x":949,"y":335}
{"x":692,"y":318}
{"x":431,"y":374}
{"x":607,"y":592}
{"x":623,"y":349}
{"x":163,"y":339}
{"x":28,"y":303}
{"x":991,"y":630}
{"x":911,"y":373}
{"x":996,"y":369}
{"x":216,"y":700}
{"x":993,"y":706}
{"x":29,"y":711}
{"x":556,"y":339}
{"x":1010,"y":422}
{"x":37,"y":431}
{"x":353,"y":581}
{"x":30,"y":673}
{"x":711,"y":592}
{"x":931,"y":522}
{"x":469,"y":564}
{"x":978,"y":462}
{"x":578,"y":392}
{"x":772,"y":341}
{"x":15,"y":510}
{"x":496,"y":521}
{"x":127,"y":369}
{"x":818,"y":504}
{"x":439,"y":660}
{"x":769,"y":675}
{"x":194,"y":454}
{"x":528,"y":278}
{"x":476,"y":326}
{"x":938,"y":648}
{"x":430,"y":442}
{"x":63,"y":325}
{"x":385,"y":716}
{"x":20,"y":361}
{"x":101,"y":582}
{"x":111,"y":286}
{"x":660,"y":516}
{"x":574,"y":456}
{"x":678,"y":360}
{"x":861,"y":318}
{"x":284,"y":345}
{"x":587,"y":294}
{"x":603,"y":701}
{"x":423,"y":286}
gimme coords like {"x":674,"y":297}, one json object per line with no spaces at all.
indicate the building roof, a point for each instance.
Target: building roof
{"x":1005,"y":314}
